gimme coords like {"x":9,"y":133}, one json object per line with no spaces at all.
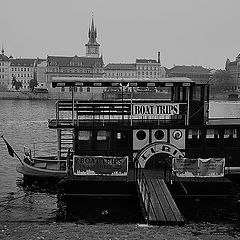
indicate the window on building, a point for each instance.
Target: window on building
{"x":88,"y":89}
{"x":62,"y":89}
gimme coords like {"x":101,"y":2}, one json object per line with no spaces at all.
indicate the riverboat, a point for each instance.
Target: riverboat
{"x":109,"y":138}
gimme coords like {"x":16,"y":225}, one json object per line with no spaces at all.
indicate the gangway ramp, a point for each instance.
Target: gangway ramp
{"x":158,"y":205}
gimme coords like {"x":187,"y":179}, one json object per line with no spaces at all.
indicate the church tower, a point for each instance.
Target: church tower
{"x":92,"y":47}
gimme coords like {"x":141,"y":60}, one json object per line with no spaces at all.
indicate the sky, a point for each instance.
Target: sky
{"x":186,"y":32}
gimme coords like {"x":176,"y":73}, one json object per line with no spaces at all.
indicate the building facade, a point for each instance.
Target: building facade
{"x":23,"y":69}
{"x":90,"y":65}
{"x":233,"y":68}
{"x":4,"y":71}
{"x":149,"y":68}
{"x":142,"y":68}
{"x":40,"y":72}
{"x":120,"y":70}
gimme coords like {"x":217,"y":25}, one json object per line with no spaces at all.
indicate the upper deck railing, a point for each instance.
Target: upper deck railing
{"x":134,"y":112}
{"x":128,"y":112}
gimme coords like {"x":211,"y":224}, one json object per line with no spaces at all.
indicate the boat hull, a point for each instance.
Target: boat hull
{"x":31,"y":171}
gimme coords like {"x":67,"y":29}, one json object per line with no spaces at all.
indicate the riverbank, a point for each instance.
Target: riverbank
{"x":60,"y":231}
{"x":24,"y":95}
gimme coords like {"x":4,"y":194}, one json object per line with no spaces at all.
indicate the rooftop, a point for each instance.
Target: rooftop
{"x":189,"y":69}
{"x":25,"y":62}
{"x":63,"y":61}
{"x":121,"y":66}
{"x":4,"y":58}
{"x":146,"y":61}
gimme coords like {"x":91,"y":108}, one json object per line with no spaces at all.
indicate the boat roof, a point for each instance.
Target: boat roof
{"x":117,"y":82}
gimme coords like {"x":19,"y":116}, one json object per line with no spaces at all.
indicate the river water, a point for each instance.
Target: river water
{"x":23,"y":122}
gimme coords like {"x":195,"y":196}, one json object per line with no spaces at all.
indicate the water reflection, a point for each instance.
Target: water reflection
{"x":60,"y":207}
{"x":98,"y":210}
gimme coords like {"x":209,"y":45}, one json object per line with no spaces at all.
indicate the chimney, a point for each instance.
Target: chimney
{"x":159,"y":61}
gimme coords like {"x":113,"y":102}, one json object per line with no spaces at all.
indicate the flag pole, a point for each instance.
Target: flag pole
{"x":10,"y":150}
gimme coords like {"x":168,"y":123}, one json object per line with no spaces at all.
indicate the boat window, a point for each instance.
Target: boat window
{"x":194,"y":138}
{"x":141,"y":135}
{"x":103,"y":137}
{"x":212,"y":137}
{"x":230,"y":138}
{"x":196,"y":93}
{"x":84,"y":135}
{"x":122,"y":139}
{"x":159,"y":134}
{"x":84,"y":140}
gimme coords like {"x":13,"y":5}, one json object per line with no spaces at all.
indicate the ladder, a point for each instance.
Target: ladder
{"x":66,"y":139}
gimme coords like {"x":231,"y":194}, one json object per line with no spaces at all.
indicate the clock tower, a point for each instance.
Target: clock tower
{"x":92,"y":47}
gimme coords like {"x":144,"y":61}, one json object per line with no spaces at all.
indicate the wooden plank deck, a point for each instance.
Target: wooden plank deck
{"x":159,"y":206}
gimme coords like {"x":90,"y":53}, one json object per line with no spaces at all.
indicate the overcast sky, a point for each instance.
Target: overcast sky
{"x":186,"y":32}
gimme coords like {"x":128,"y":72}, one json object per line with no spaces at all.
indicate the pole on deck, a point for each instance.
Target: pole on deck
{"x":131,"y":105}
{"x":73,"y":105}
{"x":188,"y":104}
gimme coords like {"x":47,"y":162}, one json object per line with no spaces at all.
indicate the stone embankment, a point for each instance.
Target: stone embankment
{"x":24,"y":95}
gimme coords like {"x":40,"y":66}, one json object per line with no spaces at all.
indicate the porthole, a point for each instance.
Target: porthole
{"x":141,"y":135}
{"x":159,"y":134}
{"x":177,"y":134}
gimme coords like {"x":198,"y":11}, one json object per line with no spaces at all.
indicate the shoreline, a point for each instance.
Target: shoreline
{"x":70,"y":230}
{"x":21,"y":95}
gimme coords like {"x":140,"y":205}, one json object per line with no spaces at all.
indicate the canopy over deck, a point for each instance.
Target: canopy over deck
{"x":118,"y":82}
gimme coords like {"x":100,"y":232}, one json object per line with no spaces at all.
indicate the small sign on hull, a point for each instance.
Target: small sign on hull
{"x":211,"y":167}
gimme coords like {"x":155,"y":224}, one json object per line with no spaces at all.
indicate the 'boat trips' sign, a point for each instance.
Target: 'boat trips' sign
{"x":100,"y":165}
{"x":211,"y":167}
{"x":155,"y":109}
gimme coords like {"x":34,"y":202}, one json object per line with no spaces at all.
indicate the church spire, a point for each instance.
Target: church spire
{"x":2,"y":50}
{"x":92,"y":47}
